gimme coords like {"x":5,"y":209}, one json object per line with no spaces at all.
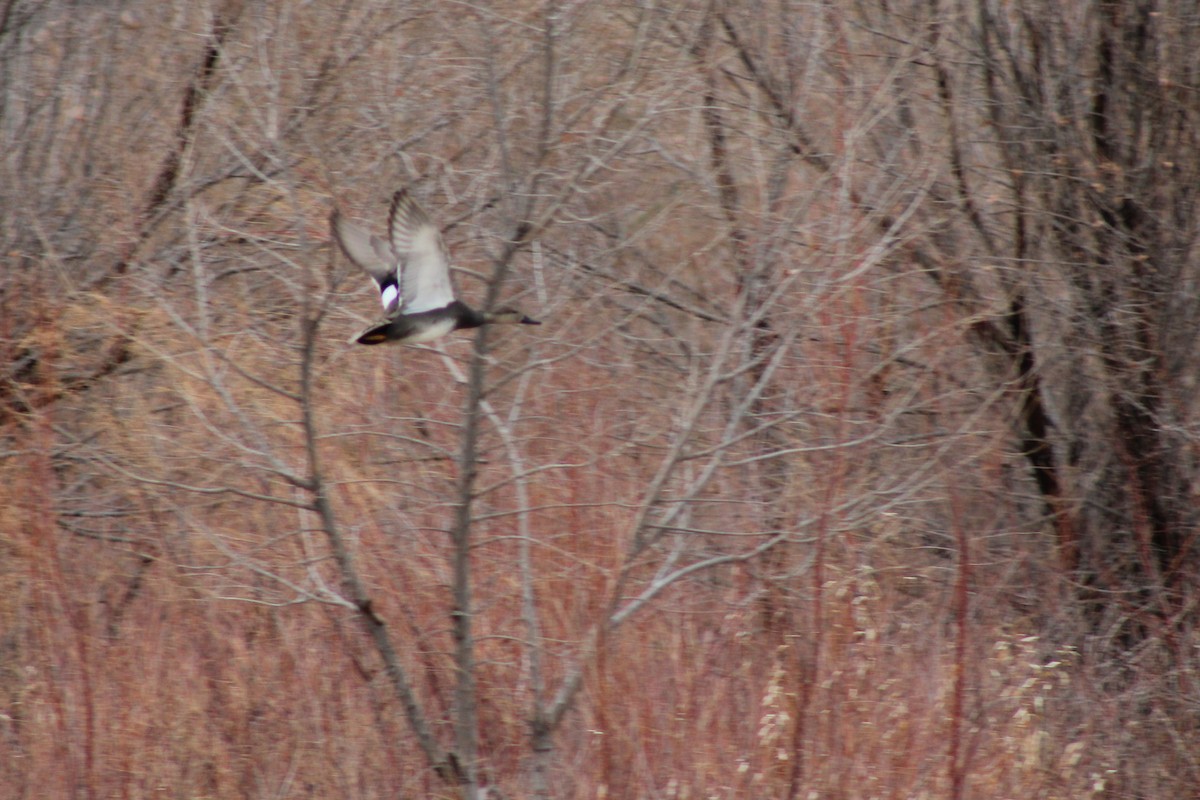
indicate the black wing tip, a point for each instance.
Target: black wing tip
{"x":406,"y":208}
{"x":400,"y":198}
{"x":335,"y":222}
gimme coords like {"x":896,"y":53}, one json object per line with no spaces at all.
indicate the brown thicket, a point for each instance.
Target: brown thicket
{"x":857,"y":455}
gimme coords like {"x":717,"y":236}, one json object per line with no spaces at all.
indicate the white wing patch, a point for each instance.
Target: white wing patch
{"x":388,"y":296}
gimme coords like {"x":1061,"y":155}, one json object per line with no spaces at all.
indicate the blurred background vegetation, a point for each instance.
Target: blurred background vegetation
{"x":857,"y":455}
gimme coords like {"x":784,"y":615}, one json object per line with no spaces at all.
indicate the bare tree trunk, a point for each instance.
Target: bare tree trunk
{"x":1106,"y":169}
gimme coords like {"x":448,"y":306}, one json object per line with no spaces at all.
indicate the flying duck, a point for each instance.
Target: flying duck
{"x":412,"y":270}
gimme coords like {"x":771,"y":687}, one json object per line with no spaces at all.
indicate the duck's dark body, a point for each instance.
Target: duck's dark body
{"x":424,"y":326}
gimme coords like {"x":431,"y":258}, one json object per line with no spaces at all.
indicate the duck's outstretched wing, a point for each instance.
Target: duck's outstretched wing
{"x":423,"y":258}
{"x":373,"y":254}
